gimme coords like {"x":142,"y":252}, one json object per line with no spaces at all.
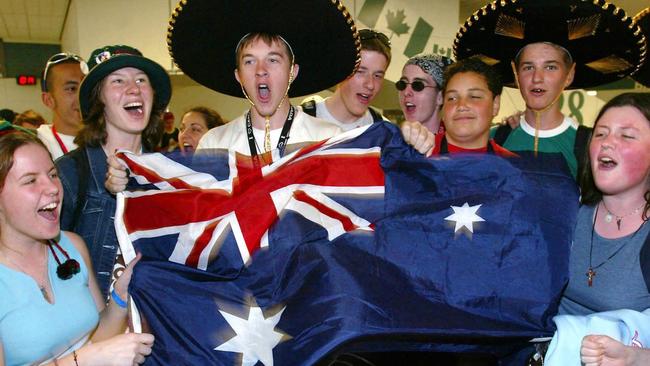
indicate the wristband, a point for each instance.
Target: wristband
{"x":118,"y":300}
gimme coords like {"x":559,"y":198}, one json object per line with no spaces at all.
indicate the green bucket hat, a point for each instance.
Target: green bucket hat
{"x":107,"y":59}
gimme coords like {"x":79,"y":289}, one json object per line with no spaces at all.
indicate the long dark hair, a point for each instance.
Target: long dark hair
{"x":93,"y":133}
{"x":590,"y":193}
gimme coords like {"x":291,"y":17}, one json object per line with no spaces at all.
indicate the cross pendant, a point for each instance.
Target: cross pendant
{"x":590,"y":276}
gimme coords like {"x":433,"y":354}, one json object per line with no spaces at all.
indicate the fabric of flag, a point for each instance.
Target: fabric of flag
{"x":357,"y":243}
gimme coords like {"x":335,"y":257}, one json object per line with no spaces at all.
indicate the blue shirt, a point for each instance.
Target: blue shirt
{"x":31,"y":329}
{"x":618,"y":283}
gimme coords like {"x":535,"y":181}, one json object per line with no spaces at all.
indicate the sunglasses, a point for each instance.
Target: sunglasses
{"x":60,"y":58}
{"x":417,"y":85}
{"x":368,"y":34}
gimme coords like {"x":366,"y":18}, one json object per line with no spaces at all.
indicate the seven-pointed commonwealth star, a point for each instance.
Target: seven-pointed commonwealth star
{"x":465,"y":216}
{"x":256,"y":336}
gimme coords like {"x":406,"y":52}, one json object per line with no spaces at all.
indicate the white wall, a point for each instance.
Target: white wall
{"x":20,"y":98}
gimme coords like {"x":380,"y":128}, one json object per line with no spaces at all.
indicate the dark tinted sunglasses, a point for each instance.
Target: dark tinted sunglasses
{"x":367,"y":34}
{"x":59,"y":58}
{"x":417,"y":85}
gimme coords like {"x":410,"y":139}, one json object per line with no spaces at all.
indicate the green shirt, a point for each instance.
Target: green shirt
{"x":560,"y":139}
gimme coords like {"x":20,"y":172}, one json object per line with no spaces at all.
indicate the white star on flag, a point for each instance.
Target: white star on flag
{"x":256,"y":336}
{"x":465,"y":215}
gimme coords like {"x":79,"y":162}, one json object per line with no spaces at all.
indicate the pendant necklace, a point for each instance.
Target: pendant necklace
{"x":610,"y":216}
{"x":41,"y":285}
{"x":591,"y":271}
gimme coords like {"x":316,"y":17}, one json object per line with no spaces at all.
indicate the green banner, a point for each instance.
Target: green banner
{"x":370,"y":11}
{"x":419,"y":38}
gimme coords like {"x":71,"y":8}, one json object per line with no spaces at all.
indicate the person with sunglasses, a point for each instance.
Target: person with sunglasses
{"x":419,"y":90}
{"x":62,"y":76}
{"x":349,"y":107}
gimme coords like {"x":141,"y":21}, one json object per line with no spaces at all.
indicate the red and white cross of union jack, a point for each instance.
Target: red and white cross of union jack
{"x":199,"y":208}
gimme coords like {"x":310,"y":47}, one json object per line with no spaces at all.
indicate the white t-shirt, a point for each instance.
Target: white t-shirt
{"x":45,"y":134}
{"x":323,"y":113}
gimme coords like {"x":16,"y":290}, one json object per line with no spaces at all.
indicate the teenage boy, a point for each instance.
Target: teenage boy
{"x":349,"y":106}
{"x":471,"y":98}
{"x":420,"y":90}
{"x":60,"y":92}
{"x":551,"y":45}
{"x":543,"y":70}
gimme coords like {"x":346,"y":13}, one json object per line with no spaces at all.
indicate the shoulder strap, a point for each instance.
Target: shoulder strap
{"x":644,"y":259}
{"x":376,"y":116}
{"x":83,"y":169}
{"x":583,"y":134}
{"x":501,"y":134}
{"x":309,"y":107}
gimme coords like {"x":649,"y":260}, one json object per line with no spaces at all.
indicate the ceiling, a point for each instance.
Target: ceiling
{"x":41,"y":21}
{"x":38,"y":21}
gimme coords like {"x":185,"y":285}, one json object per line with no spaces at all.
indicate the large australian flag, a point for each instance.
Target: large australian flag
{"x":356,"y":243}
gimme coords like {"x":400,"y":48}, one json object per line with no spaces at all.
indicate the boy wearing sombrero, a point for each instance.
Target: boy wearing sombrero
{"x":272,"y":60}
{"x":545,"y":47}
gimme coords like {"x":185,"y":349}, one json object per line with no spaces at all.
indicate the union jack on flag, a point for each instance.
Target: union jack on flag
{"x":200,"y":209}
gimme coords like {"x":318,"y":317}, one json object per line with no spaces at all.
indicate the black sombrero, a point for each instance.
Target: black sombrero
{"x":203,"y":35}
{"x":604,"y":42}
{"x":643,"y":21}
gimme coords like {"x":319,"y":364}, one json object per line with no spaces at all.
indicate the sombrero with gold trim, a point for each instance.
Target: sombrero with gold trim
{"x":203,"y":35}
{"x":604,"y":42}
{"x":642,"y":19}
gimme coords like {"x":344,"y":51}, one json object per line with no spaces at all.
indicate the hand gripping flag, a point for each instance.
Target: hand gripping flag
{"x":356,"y":243}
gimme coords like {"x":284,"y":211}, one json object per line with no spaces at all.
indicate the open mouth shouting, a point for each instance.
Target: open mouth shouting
{"x":135,"y":109}
{"x":50,"y":211}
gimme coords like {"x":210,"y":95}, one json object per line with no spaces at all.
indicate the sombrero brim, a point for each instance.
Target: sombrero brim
{"x":203,"y":35}
{"x":642,"y":19}
{"x":603,"y":41}
{"x":157,"y":76}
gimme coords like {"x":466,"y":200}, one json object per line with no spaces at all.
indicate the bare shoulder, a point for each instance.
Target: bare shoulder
{"x":79,"y":244}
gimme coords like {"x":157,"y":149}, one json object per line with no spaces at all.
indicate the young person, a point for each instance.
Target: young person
{"x":471,"y":98}
{"x":272,"y":60}
{"x":52,"y":306}
{"x":196,"y":122}
{"x":122,"y":100}
{"x":609,"y":266}
{"x":62,"y":76}
{"x":349,"y":106}
{"x":420,"y":90}
{"x":551,"y":45}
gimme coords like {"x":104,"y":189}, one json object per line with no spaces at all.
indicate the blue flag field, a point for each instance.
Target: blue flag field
{"x":356,"y":243}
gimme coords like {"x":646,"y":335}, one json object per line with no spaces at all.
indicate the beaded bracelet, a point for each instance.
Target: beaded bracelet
{"x":74,"y":356}
{"x":118,"y":300}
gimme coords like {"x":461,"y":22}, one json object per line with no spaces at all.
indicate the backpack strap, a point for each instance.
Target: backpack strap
{"x":80,"y":156}
{"x":501,"y":134}
{"x":583,"y":134}
{"x":309,"y":107}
